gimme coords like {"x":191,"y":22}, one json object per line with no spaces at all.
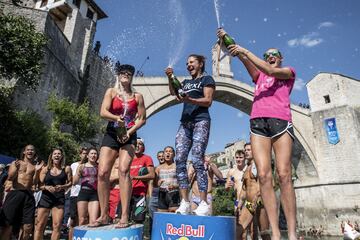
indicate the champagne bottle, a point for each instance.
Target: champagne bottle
{"x":228,"y":40}
{"x":120,"y":129}
{"x":177,"y":86}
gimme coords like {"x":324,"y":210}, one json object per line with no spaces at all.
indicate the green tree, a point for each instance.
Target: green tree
{"x":72,"y":125}
{"x":19,"y":128}
{"x":223,"y":204}
{"x":21,"y":53}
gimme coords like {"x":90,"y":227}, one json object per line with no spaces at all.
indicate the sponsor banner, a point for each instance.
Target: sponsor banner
{"x":134,"y":232}
{"x":169,"y":226}
{"x":331,"y":130}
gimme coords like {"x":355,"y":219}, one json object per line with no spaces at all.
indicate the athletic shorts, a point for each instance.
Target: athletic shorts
{"x":168,"y":199}
{"x":73,"y":208}
{"x":18,"y":208}
{"x":87,"y":195}
{"x":110,"y":140}
{"x":49,"y":200}
{"x":137,"y":211}
{"x":271,"y":127}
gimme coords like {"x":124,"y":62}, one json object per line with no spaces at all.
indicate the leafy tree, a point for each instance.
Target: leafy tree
{"x":223,"y":204}
{"x":21,"y":53}
{"x":19,"y":128}
{"x":72,"y":125}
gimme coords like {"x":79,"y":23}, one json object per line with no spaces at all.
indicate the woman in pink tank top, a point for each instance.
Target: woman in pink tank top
{"x":271,"y":127}
{"x":121,"y":106}
{"x":87,"y":201}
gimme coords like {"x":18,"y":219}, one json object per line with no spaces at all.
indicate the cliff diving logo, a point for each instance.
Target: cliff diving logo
{"x":184,"y":232}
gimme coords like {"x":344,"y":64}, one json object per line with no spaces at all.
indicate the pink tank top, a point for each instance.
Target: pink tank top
{"x":118,"y":107}
{"x":272,"y":97}
{"x":89,"y":178}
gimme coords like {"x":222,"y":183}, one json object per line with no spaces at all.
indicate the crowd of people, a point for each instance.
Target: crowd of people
{"x":114,"y":182}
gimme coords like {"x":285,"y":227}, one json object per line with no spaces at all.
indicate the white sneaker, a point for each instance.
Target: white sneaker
{"x":203,"y":209}
{"x":184,"y":208}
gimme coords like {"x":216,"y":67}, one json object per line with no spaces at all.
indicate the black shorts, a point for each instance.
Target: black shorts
{"x":49,"y":200}
{"x":271,"y":127}
{"x":18,"y":208}
{"x":110,"y":140}
{"x":88,"y":195}
{"x":168,"y":199}
{"x":73,"y":208}
{"x":137,"y":211}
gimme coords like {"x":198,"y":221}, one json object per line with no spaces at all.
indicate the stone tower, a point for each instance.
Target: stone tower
{"x":70,"y":26}
{"x":335,"y":114}
{"x":221,"y":62}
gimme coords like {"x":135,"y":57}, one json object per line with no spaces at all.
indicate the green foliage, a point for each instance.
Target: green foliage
{"x":223,"y":204}
{"x":81,"y":124}
{"x":21,"y":51}
{"x":19,"y":128}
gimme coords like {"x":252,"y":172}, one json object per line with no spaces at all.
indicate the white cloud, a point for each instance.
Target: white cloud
{"x":299,"y":84}
{"x":325,"y":24}
{"x":307,"y":40}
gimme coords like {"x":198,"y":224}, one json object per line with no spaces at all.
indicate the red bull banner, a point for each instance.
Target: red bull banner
{"x":169,"y":226}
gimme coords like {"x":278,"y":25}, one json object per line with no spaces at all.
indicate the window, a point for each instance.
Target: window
{"x":90,"y":14}
{"x":327,"y":99}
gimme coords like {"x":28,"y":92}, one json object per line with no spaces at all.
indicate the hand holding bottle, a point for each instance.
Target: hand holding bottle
{"x":227,"y":40}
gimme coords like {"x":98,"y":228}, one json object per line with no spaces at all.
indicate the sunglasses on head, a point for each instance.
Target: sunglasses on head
{"x":126,"y":73}
{"x":273,"y":53}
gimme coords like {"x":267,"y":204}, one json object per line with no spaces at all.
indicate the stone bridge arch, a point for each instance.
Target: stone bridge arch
{"x":238,"y":95}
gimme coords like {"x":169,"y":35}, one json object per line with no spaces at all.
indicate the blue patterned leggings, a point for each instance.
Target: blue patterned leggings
{"x":194,"y":136}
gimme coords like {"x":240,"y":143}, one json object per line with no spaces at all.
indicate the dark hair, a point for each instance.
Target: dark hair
{"x":159,"y":152}
{"x":22,"y":155}
{"x":92,"y":148}
{"x":248,"y":143}
{"x":170,"y":147}
{"x":200,"y":59}
{"x":240,"y":152}
{"x":83,"y":149}
{"x":124,"y":67}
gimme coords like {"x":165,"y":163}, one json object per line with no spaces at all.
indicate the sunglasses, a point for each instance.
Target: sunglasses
{"x":274,"y":54}
{"x":129,"y":74}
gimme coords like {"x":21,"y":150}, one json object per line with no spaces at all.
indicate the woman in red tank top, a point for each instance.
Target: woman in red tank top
{"x":121,"y":106}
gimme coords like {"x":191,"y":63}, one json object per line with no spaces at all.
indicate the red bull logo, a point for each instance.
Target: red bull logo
{"x":185,"y":230}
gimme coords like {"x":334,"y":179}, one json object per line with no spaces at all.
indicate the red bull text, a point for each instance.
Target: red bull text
{"x":185,"y":230}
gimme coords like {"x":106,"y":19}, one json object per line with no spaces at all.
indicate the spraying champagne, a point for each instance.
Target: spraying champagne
{"x":177,"y":86}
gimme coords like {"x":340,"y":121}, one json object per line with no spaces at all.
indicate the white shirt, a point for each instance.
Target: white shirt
{"x":75,"y":189}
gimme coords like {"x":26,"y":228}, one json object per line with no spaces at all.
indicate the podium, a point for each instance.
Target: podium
{"x":170,"y":226}
{"x":109,"y":232}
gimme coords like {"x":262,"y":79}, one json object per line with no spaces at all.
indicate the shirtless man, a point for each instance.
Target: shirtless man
{"x":212,"y":171}
{"x":234,"y":180}
{"x":19,"y":206}
{"x":254,"y":210}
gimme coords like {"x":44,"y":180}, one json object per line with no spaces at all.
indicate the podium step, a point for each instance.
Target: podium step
{"x":170,"y":226}
{"x":134,"y":232}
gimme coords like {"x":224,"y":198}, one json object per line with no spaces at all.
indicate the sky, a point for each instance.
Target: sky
{"x":313,"y":36}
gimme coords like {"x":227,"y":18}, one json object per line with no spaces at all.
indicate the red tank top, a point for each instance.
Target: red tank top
{"x":118,"y":107}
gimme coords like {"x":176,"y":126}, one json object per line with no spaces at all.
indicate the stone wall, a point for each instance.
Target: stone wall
{"x":64,"y":61}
